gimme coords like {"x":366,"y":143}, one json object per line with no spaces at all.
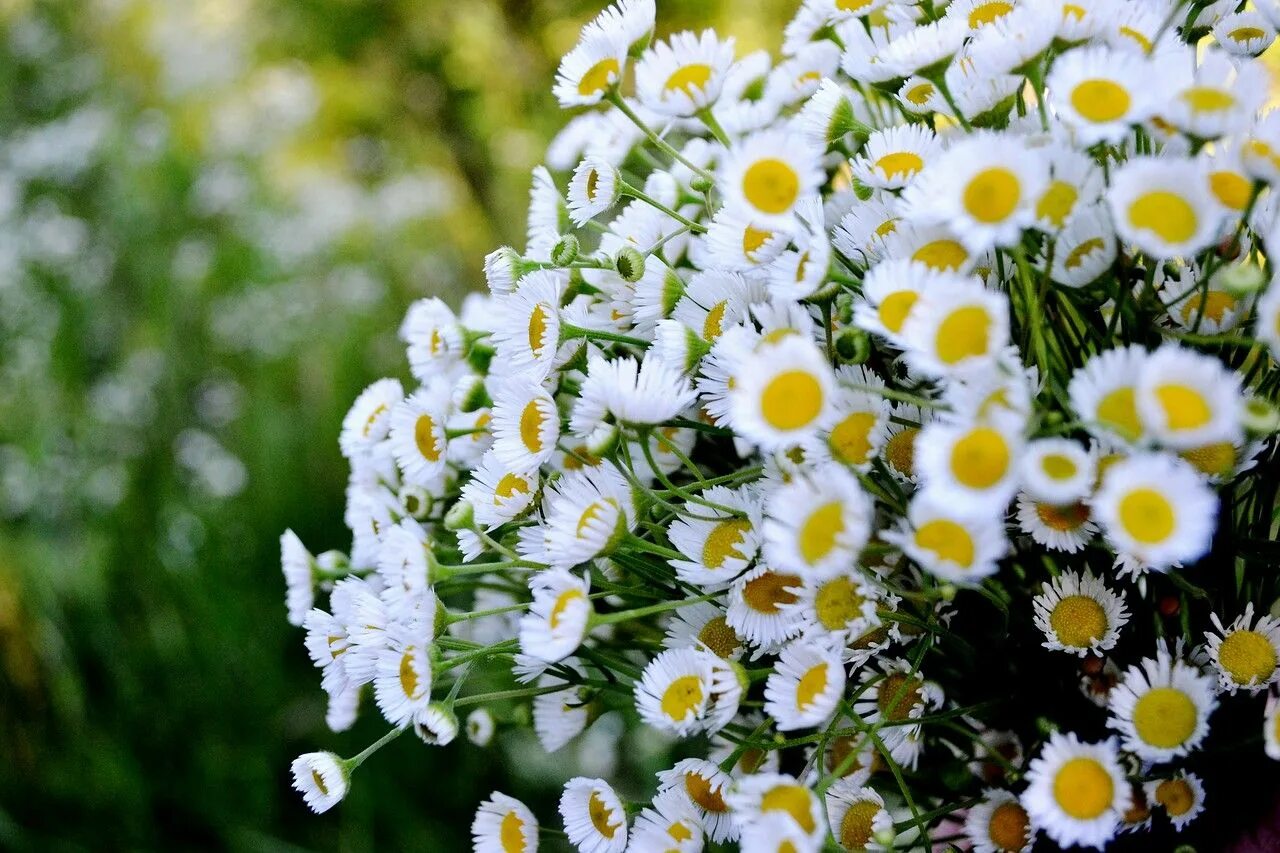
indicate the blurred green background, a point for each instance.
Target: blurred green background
{"x":212,"y":215}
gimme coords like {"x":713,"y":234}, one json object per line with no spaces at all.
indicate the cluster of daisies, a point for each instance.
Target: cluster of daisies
{"x":821,"y":386}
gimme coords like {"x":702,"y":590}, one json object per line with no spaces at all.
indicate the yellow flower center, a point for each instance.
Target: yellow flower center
{"x":723,"y":541}
{"x":993,"y":195}
{"x":1062,"y":518}
{"x":1215,"y":306}
{"x":1213,"y":459}
{"x":1166,"y":214}
{"x":682,"y":697}
{"x":563,"y":602}
{"x":1246,"y":656}
{"x":947,"y":540}
{"x":601,"y":815}
{"x":1165,"y":717}
{"x":1246,"y":34}
{"x":1118,"y":412}
{"x":900,"y":451}
{"x":793,"y":800}
{"x":1076,"y":257}
{"x":1184,"y":407}
{"x":793,"y":399}
{"x":895,"y":307}
{"x":980,"y":460}
{"x":988,"y":12}
{"x":531,"y":420}
{"x":1058,"y":467}
{"x":408,"y":675}
{"x":963,"y":334}
{"x":1176,"y":796}
{"x":599,"y":77}
{"x":850,"y":440}
{"x":1207,"y":99}
{"x":717,"y":636}
{"x":838,"y":603}
{"x":919,"y":94}
{"x":319,"y":782}
{"x":703,"y":794}
{"x":511,"y":833}
{"x":1100,"y":101}
{"x":1078,"y":621}
{"x":819,"y":532}
{"x":752,"y":239}
{"x":594,"y":511}
{"x":941,"y":255}
{"x":537,"y":329}
{"x":690,"y":79}
{"x":771,"y":185}
{"x":900,"y":164}
{"x":770,"y":591}
{"x":896,"y":695}
{"x":1008,"y":827}
{"x":1057,"y":203}
{"x":1083,"y":788}
{"x":810,"y":686}
{"x":509,"y":486}
{"x":1147,"y":516}
{"x":424,"y":436}
{"x":855,"y":828}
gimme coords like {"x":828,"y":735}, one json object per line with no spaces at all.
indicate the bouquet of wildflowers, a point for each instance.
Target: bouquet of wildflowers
{"x":889,"y":425}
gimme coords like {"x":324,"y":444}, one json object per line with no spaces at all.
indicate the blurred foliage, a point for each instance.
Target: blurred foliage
{"x":212,"y":215}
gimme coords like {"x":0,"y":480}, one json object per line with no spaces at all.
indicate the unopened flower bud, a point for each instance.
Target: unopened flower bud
{"x":630,"y":265}
{"x":1260,"y":416}
{"x":853,"y":345}
{"x":1240,"y":279}
{"x":565,"y":250}
{"x":461,"y":516}
{"x":700,"y":184}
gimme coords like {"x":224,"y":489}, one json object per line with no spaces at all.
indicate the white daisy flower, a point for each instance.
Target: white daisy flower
{"x":417,"y":435}
{"x":769,"y":172}
{"x":1075,"y":184}
{"x":1059,"y":527}
{"x":528,"y":329}
{"x":738,"y":241}
{"x":1161,"y":708}
{"x":434,"y":337}
{"x":591,"y":70}
{"x":526,"y":423}
{"x":1057,"y":471}
{"x":862,"y":231}
{"x":586,"y":514}
{"x":893,"y":156}
{"x":322,"y":778}
{"x":630,"y":21}
{"x":860,"y":421}
{"x":498,"y":493}
{"x":777,"y":831}
{"x":714,"y":302}
{"x":1188,"y":399}
{"x":437,"y":725}
{"x":369,"y":418}
{"x":924,"y":48}
{"x":1099,"y":92}
{"x":637,"y":394}
{"x":718,"y":545}
{"x":1077,"y":791}
{"x":985,"y":188}
{"x":704,"y":785}
{"x":1222,"y":98}
{"x":558,"y":617}
{"x":953,"y":545}
{"x":818,"y":523}
{"x":595,"y":187}
{"x":1181,"y":796}
{"x":1246,"y":653}
{"x":857,"y":815}
{"x":298,"y":566}
{"x":402,"y":682}
{"x":480,"y":727}
{"x":896,"y":694}
{"x":1160,"y":204}
{"x":762,"y":796}
{"x":956,"y":331}
{"x":785,"y":392}
{"x":1156,"y":508}
{"x":684,"y":74}
{"x":504,"y":825}
{"x":805,"y":686}
{"x":670,"y":825}
{"x":892,"y":291}
{"x":594,"y":818}
{"x":837,"y":610}
{"x":703,"y":626}
{"x":674,"y":693}
{"x":1085,"y":249}
{"x":999,"y":824}
{"x":1245,"y":33}
{"x":759,"y":608}
{"x":973,"y":467}
{"x":1104,"y":395}
{"x":938,"y":247}
{"x":561,"y":716}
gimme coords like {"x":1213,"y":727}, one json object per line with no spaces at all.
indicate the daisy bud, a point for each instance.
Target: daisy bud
{"x":1260,"y":416}
{"x":886,"y":837}
{"x":461,"y":516}
{"x":947,"y":591}
{"x":565,"y":250}
{"x":1240,"y":279}
{"x":322,"y":778}
{"x":630,"y":265}
{"x":480,"y":727}
{"x":502,"y":270}
{"x":416,"y":501}
{"x":700,"y":185}
{"x":437,"y":725}
{"x":853,"y":346}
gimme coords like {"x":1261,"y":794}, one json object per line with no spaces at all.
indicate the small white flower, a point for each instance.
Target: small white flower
{"x":594,"y":818}
{"x":322,"y":778}
{"x":504,"y":825}
{"x":805,"y":686}
{"x":1077,"y":791}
